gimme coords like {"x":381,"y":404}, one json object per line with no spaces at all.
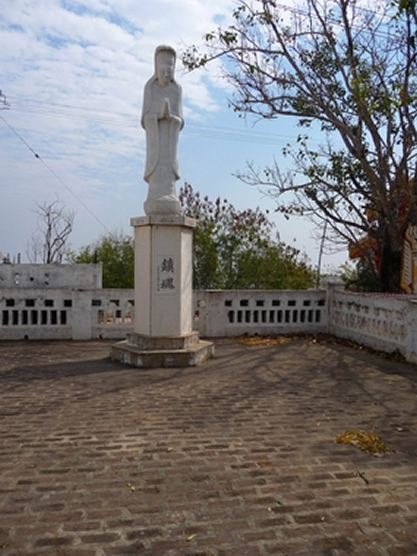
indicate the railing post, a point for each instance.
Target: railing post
{"x":201,"y":307}
{"x":332,"y":286}
{"x":81,"y":314}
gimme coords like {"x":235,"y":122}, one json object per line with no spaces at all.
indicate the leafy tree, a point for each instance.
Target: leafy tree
{"x":234,"y":250}
{"x":349,"y":74}
{"x":49,"y":242}
{"x":116,"y":252}
{"x":358,"y":278}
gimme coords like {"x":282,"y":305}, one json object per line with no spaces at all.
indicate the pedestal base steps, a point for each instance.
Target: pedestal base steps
{"x":168,"y":351}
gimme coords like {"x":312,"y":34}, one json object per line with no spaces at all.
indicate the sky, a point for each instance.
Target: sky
{"x":72,"y":73}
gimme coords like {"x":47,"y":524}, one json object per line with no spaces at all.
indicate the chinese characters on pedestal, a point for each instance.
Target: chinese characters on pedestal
{"x":165,"y":274}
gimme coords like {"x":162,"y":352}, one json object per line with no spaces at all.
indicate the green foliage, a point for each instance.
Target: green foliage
{"x":234,"y":250}
{"x":360,"y":278}
{"x":116,"y":252}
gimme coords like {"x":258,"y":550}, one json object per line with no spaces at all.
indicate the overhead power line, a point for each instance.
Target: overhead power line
{"x":36,"y":155}
{"x":106,"y":118}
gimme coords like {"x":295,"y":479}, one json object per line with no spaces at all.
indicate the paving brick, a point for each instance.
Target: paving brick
{"x":102,"y":538}
{"x":237,"y":457}
{"x":53,"y":541}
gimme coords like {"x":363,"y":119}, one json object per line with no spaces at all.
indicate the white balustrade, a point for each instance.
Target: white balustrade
{"x":384,"y":322}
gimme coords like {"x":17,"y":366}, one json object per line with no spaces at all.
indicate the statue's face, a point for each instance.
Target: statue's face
{"x":165,"y":65}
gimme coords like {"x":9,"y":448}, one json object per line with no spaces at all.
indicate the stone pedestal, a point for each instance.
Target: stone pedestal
{"x":163,"y":329}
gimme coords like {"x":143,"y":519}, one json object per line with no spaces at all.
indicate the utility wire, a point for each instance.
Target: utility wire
{"x":36,"y":155}
{"x":203,"y":131}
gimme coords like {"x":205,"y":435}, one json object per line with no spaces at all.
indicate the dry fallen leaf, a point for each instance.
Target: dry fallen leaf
{"x":264,"y":340}
{"x":365,"y":441}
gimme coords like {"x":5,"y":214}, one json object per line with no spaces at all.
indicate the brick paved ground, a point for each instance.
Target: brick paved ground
{"x":233,"y":458}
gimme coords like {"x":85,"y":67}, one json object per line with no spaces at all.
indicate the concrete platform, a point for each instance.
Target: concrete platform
{"x":234,"y":458}
{"x":172,"y":351}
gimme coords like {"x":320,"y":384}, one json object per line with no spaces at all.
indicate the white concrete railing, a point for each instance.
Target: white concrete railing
{"x":65,"y":314}
{"x":387,"y":323}
{"x":238,"y":312}
{"x":106,"y":313}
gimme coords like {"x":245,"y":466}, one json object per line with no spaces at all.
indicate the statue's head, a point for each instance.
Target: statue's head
{"x":164,"y":64}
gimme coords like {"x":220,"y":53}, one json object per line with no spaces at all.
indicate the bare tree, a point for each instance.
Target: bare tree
{"x":4,"y":105}
{"x":49,"y":242}
{"x":347,"y":72}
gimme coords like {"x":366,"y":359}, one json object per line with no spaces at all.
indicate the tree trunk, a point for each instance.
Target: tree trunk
{"x":390,"y":269}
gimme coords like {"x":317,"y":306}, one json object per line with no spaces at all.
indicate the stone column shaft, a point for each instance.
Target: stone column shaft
{"x":163,"y":275}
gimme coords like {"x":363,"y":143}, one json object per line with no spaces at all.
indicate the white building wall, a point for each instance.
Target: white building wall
{"x":33,"y":276}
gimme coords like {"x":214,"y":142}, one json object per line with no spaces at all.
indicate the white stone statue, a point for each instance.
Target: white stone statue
{"x":162,"y":120}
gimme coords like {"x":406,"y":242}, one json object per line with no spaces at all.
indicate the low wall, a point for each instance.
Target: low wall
{"x":263,"y":312}
{"x":65,"y":314}
{"x":386,"y":323}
